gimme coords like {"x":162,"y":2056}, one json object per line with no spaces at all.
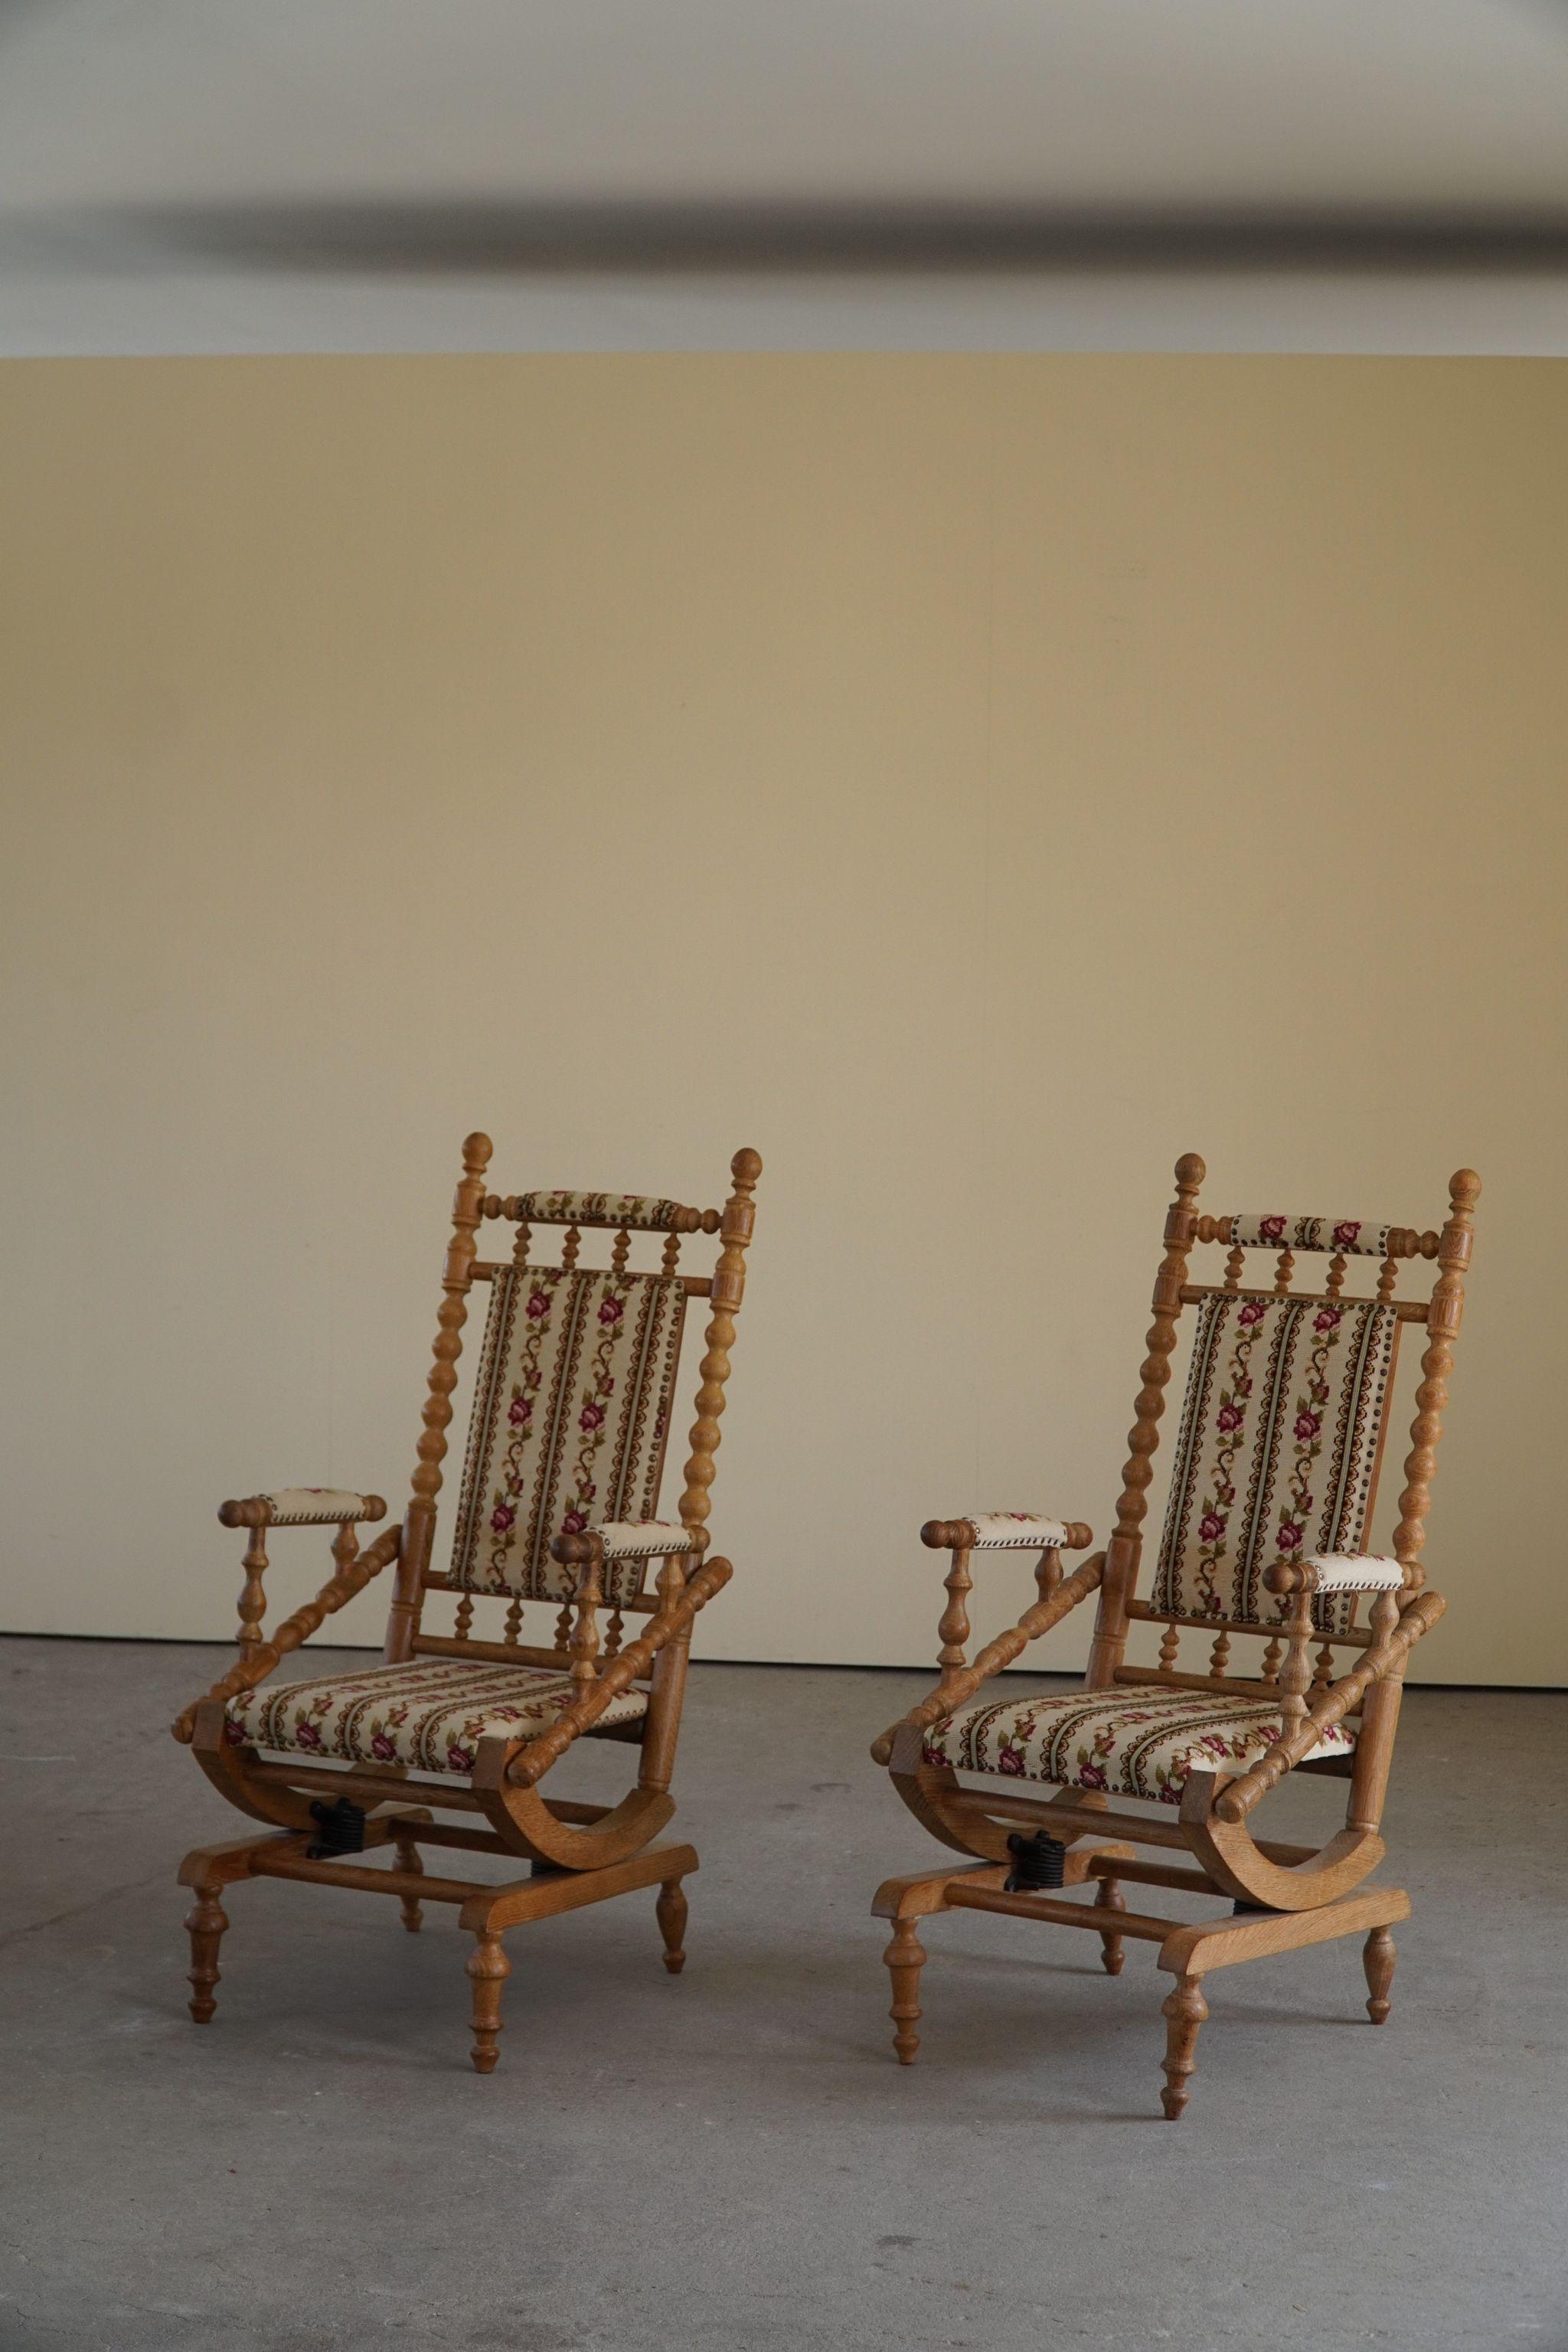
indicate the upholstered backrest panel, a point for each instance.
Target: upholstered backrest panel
{"x":1277,"y":1451}
{"x":571,"y":1411}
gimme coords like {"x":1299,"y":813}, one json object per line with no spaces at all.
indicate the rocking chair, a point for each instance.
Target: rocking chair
{"x":1273,"y":1482}
{"x":565,"y":1450}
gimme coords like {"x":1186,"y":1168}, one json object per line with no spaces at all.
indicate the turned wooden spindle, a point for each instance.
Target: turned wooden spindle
{"x":411,"y":1864}
{"x":1235,"y":1267}
{"x":1377,"y":1958}
{"x":253,"y":1598}
{"x":1269,"y":1670}
{"x":1295,"y":1675}
{"x":620,"y":1251}
{"x":512,"y":1628}
{"x":1107,"y":1897}
{"x":670,"y":1262}
{"x":728,"y":1290}
{"x":1323,"y":1668}
{"x":1048,"y":1572}
{"x":1443,"y":1318}
{"x":206,"y":1922}
{"x":1284,"y":1269}
{"x":615,"y":1632}
{"x":584,"y":1644}
{"x":953,"y":1630}
{"x":570,"y":1247}
{"x":520,"y":1242}
{"x":1185,"y":2010}
{"x":419,"y":1520}
{"x":670,"y":1910}
{"x":1219,"y":1656}
{"x":1125,"y":1550}
{"x":1336,"y":1278}
{"x":1170,"y":1648}
{"x":487,"y":1970}
{"x":1387,"y":1277}
{"x":905,"y":1958}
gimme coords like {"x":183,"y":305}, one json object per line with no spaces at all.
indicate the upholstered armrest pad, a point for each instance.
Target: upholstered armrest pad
{"x":1355,"y":1572}
{"x":641,"y":1539}
{"x":1006,"y":1531}
{"x":302,"y":1506}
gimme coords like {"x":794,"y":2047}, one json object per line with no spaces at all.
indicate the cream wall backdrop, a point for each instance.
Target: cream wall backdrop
{"x":973,"y":781}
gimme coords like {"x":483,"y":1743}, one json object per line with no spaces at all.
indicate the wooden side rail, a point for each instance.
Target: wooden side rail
{"x":634,"y":1661}
{"x":354,"y":1572}
{"x":1234,"y":1803}
{"x":954,"y":1690}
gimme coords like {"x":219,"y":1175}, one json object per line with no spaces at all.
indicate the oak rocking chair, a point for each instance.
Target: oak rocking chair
{"x":1272,"y":1484}
{"x":566,"y":1446}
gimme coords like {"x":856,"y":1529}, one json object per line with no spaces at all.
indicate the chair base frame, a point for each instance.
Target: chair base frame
{"x":485,"y":1910}
{"x":1336,"y":1903}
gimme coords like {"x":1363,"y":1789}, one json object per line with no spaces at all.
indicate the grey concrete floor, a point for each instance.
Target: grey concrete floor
{"x":731,"y":2161}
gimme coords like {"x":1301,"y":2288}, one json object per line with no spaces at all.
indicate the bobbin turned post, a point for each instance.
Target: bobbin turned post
{"x":905,"y":1958}
{"x":206,"y":1921}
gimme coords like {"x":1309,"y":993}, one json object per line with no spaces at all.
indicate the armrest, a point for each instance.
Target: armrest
{"x":1336,"y":1571}
{"x":1234,"y":1803}
{"x":625,"y":1539}
{"x":1006,"y":1531}
{"x":302,"y":1506}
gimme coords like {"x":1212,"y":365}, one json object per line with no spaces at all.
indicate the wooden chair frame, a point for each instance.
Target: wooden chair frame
{"x":1285,"y":1895}
{"x":575,"y":1853}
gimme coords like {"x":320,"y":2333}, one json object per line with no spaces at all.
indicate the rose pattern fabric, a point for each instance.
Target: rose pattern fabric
{"x":1132,"y":1742}
{"x":571,"y":1411}
{"x":1277,"y":1451}
{"x":633,"y":1210}
{"x":1348,"y":1236}
{"x":431,"y":1713}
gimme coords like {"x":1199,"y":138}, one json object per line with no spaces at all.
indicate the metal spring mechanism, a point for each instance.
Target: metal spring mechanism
{"x":1038,"y":1863}
{"x":341,"y":1827}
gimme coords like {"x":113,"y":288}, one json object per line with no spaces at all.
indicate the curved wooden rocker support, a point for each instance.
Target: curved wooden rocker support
{"x":324,"y":1765}
{"x":1261,"y":1539}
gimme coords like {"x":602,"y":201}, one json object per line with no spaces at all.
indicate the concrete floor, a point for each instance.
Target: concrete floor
{"x":731,"y":2161}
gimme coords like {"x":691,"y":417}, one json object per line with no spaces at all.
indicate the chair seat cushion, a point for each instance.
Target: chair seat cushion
{"x":1134,"y":1741}
{"x":431,"y":1713}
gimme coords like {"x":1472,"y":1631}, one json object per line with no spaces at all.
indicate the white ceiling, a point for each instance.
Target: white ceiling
{"x":367,"y":174}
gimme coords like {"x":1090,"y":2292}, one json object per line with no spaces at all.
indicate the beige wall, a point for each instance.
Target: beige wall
{"x":972,"y":781}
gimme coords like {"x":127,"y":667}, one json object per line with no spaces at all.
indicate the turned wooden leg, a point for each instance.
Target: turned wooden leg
{"x":1107,"y":1897}
{"x":488,"y":1969}
{"x":672,"y":1909}
{"x":1185,"y":2009}
{"x":206,"y":1921}
{"x":1377,"y":1958}
{"x":410,"y":1861}
{"x":905,"y":1958}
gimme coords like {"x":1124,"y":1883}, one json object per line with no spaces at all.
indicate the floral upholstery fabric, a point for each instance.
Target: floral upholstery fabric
{"x":1362,"y":1572}
{"x":431,"y":1713}
{"x":1134,"y":1742}
{"x":641,"y":1539}
{"x":313,"y":1507}
{"x":571,"y":1410}
{"x":1350,"y":1237}
{"x":630,"y":1208}
{"x":1277,"y":1453}
{"x":1016,"y":1531}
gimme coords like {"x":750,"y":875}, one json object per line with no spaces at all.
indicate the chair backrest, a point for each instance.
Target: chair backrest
{"x":573,"y":1397}
{"x":1286,"y":1411}
{"x":570,"y":1419}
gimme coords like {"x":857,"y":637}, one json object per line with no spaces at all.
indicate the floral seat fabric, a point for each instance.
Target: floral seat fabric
{"x":431,"y":1713}
{"x":1132,"y":1742}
